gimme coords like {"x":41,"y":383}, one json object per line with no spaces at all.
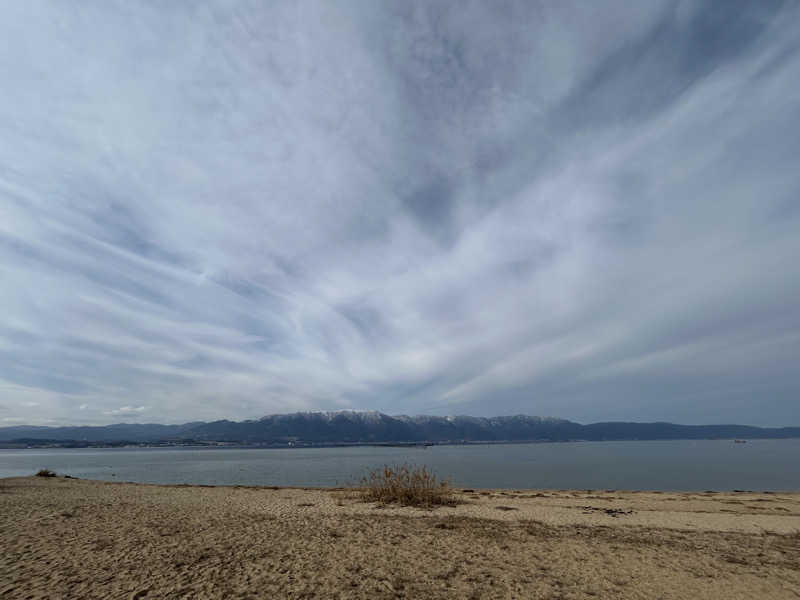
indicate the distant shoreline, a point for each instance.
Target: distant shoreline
{"x":370,"y":428}
{"x":73,"y":444}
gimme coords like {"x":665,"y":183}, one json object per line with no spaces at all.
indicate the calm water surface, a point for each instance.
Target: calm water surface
{"x":659,"y":465}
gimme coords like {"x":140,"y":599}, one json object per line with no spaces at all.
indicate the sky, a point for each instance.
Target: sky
{"x":588,"y":210}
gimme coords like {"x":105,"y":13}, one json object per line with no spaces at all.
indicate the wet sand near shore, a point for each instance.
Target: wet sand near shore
{"x":70,"y":538}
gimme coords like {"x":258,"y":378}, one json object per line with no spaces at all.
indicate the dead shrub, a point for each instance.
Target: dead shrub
{"x":45,"y":473}
{"x":406,"y":485}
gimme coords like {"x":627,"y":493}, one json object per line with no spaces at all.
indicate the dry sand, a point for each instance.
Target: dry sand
{"x":69,"y":538}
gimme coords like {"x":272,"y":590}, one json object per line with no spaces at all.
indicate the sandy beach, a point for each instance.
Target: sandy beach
{"x":70,"y":538}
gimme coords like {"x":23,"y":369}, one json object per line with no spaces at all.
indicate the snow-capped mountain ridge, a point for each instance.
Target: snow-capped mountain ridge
{"x":372,"y":427}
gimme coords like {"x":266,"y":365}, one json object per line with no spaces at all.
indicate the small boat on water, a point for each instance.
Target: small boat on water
{"x":739,"y":441}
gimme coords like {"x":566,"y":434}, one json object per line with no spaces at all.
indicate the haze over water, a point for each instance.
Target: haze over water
{"x":690,"y":465}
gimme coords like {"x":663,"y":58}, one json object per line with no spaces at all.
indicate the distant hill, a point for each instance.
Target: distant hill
{"x":378,"y":428}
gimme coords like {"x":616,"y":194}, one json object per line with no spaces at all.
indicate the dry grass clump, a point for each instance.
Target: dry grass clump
{"x":406,"y":485}
{"x":45,"y":473}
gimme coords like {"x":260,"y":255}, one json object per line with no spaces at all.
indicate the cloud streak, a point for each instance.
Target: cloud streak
{"x":230,"y":210}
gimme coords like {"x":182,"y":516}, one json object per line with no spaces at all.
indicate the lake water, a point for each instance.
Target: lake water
{"x":659,"y":465}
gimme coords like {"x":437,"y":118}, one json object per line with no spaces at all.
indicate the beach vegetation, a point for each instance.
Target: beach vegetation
{"x":407,"y":485}
{"x":45,"y":473}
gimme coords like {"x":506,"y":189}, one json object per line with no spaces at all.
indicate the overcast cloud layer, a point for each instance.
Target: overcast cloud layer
{"x":229,"y":209}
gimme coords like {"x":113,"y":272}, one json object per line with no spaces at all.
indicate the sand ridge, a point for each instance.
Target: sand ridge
{"x":72,"y":538}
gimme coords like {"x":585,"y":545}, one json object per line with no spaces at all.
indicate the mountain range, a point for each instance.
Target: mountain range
{"x":351,"y":427}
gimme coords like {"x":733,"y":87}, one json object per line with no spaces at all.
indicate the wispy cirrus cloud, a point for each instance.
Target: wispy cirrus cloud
{"x":222,"y":211}
{"x":126,"y":410}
